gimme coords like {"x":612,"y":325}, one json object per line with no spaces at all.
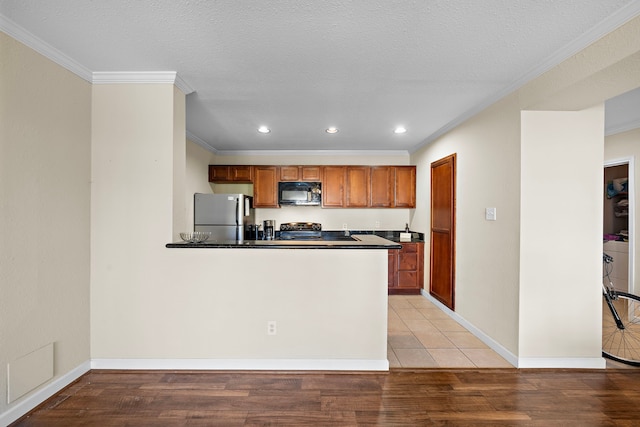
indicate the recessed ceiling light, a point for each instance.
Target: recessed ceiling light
{"x":332,"y":130}
{"x":400,"y":129}
{"x":264,"y":129}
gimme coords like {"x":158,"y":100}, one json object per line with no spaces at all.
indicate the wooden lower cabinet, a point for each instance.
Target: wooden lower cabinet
{"x":406,"y":269}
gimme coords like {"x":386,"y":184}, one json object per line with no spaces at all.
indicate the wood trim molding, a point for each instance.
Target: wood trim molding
{"x":244,"y":364}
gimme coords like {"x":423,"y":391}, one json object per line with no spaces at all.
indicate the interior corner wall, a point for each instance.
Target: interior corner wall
{"x":132,"y":201}
{"x":627,"y":145}
{"x":561,"y":235}
{"x":45,"y":145}
{"x":180,"y":207}
{"x":487,"y":252}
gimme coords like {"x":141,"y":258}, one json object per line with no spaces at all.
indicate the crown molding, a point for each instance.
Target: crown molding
{"x":611,"y":23}
{"x":201,"y":142}
{"x":140,"y":77}
{"x":625,"y":127}
{"x":23,"y":36}
{"x":382,"y":153}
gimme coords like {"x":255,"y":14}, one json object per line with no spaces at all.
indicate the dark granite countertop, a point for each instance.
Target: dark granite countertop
{"x":360,"y":241}
{"x":392,"y":235}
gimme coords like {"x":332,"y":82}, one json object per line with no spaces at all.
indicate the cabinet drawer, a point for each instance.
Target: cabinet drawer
{"x":407,"y":261}
{"x":409,"y":247}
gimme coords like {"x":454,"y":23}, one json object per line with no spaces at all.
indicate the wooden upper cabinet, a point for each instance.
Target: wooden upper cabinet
{"x":218,"y":173}
{"x":342,"y":186}
{"x":265,"y":186}
{"x":405,"y":186}
{"x":310,"y":173}
{"x":289,"y":173}
{"x":382,"y":186}
{"x":333,"y":186}
{"x":242,"y":173}
{"x":358,"y":185}
{"x":300,"y":173}
{"x":230,"y":173}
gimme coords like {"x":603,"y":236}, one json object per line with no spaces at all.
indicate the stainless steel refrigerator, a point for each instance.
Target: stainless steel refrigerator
{"x":226,"y":216}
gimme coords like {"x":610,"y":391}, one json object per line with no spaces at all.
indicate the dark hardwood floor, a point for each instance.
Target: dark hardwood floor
{"x":608,"y":397}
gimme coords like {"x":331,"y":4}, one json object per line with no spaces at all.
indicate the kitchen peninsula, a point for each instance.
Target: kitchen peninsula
{"x":310,"y":305}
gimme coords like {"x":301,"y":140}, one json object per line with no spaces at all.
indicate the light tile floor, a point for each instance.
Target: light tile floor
{"x":420,"y":335}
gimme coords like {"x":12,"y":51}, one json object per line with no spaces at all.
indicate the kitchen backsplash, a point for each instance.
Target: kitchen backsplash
{"x":334,"y":219}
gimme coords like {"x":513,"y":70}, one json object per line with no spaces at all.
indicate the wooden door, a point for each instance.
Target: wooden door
{"x":443,"y":204}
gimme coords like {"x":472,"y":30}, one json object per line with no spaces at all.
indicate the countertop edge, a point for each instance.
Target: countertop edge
{"x":363,"y":242}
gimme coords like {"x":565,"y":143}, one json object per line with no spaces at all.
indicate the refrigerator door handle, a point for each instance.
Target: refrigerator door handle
{"x":237,"y":216}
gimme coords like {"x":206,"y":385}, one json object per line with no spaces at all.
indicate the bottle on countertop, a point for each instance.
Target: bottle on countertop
{"x":406,"y":228}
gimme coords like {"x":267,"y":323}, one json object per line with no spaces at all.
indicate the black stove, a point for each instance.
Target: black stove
{"x":300,"y":231}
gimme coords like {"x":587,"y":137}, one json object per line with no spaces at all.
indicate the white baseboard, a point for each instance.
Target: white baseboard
{"x":30,"y":401}
{"x":495,"y":346}
{"x":520,"y":362}
{"x":560,"y":363}
{"x":244,"y":364}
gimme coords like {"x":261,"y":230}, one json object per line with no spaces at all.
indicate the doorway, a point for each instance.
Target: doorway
{"x":618,"y":221}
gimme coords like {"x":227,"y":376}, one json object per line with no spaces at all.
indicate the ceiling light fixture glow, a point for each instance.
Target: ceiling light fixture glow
{"x":332,"y":130}
{"x":400,"y":129}
{"x":264,"y":129}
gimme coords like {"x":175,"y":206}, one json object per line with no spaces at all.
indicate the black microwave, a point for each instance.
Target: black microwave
{"x":299,"y":193}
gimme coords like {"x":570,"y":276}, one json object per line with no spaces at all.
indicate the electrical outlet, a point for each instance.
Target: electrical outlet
{"x":271,"y":327}
{"x":377,"y":225}
{"x":344,"y":226}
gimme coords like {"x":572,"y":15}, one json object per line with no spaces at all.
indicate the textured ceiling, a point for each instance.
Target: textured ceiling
{"x":300,"y":66}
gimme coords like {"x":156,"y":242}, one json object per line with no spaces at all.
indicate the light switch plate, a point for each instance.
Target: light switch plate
{"x":490,"y":214}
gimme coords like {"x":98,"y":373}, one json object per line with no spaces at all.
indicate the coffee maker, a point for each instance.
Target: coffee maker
{"x":269,"y":229}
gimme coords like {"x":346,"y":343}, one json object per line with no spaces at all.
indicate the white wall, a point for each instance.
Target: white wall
{"x":560,"y":260}
{"x":132,"y":207}
{"x":153,"y":303}
{"x":44,"y":212}
{"x":487,"y":256}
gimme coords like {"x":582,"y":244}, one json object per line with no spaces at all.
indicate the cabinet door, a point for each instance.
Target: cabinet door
{"x":382,"y":184}
{"x":289,"y":173}
{"x":218,"y":173}
{"x":241,"y":173}
{"x":405,"y":187}
{"x":408,"y":266}
{"x":265,"y":186}
{"x":358,"y":186}
{"x":407,"y":269}
{"x":333,"y":183}
{"x":310,"y":173}
{"x":393,"y":261}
